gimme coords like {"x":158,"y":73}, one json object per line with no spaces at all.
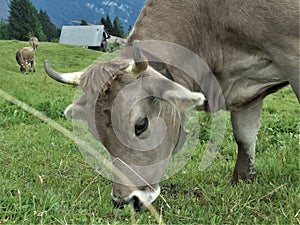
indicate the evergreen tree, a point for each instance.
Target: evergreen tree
{"x":83,"y":23}
{"x":23,"y":21}
{"x":129,"y":30}
{"x":115,"y":29}
{"x":108,"y":25}
{"x":48,"y":27}
{"x":118,"y":28}
{"x":103,"y":22}
{"x":3,"y":31}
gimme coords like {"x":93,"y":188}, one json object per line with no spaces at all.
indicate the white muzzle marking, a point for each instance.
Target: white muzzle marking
{"x":145,"y":197}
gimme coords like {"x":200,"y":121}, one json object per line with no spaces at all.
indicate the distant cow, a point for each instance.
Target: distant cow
{"x":24,"y":57}
{"x":34,"y":42}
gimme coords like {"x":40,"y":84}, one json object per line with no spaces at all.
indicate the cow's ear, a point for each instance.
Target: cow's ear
{"x":77,"y":110}
{"x":184,"y":99}
{"x":159,"y":86}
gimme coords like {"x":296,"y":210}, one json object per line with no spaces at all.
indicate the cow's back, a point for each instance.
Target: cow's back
{"x":197,"y":24}
{"x":34,"y":42}
{"x":25,"y":54}
{"x":28,"y":53}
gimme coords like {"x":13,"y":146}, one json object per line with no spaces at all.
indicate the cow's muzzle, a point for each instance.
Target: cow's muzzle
{"x":135,"y":202}
{"x":138,"y":199}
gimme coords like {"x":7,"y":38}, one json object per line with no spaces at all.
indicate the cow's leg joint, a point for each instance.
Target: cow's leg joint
{"x":245,"y":164}
{"x":245,"y":126}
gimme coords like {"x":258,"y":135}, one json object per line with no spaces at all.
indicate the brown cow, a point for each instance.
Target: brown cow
{"x":25,"y":56}
{"x":250,"y":49}
{"x":34,"y":42}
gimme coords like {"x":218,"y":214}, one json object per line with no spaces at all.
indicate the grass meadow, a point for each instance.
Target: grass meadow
{"x":45,"y":180}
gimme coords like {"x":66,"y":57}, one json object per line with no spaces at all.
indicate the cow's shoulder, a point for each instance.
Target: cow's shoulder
{"x":246,"y":76}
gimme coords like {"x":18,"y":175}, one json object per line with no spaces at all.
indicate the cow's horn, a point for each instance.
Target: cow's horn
{"x":66,"y":78}
{"x":141,"y":62}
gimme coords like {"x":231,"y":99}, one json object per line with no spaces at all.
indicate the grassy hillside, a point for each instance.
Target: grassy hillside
{"x":45,"y":180}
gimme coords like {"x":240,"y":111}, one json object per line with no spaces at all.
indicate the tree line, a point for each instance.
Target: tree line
{"x":25,"y":21}
{"x":114,"y":28}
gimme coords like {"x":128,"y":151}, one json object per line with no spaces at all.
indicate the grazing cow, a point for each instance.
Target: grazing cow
{"x":34,"y":42}
{"x":251,"y":48}
{"x":25,"y":56}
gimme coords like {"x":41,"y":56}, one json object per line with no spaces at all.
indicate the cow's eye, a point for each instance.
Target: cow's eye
{"x":141,"y":125}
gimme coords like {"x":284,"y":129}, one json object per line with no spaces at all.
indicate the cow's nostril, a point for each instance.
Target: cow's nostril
{"x":118,"y":205}
{"x":137,"y":204}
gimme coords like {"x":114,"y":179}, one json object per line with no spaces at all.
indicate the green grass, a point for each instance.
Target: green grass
{"x":45,"y":180}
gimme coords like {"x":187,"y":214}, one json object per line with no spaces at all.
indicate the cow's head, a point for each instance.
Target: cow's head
{"x":136,"y":114}
{"x":23,"y":67}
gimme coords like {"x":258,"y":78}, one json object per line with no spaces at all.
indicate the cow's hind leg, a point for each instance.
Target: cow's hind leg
{"x":290,"y":66}
{"x":287,"y":57}
{"x":245,"y":126}
{"x":33,"y":65}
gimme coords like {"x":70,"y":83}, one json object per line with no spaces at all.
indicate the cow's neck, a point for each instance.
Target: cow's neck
{"x":175,"y":27}
{"x":172,"y":20}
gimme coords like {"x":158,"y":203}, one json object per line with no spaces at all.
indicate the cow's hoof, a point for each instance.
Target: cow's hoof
{"x":248,"y":178}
